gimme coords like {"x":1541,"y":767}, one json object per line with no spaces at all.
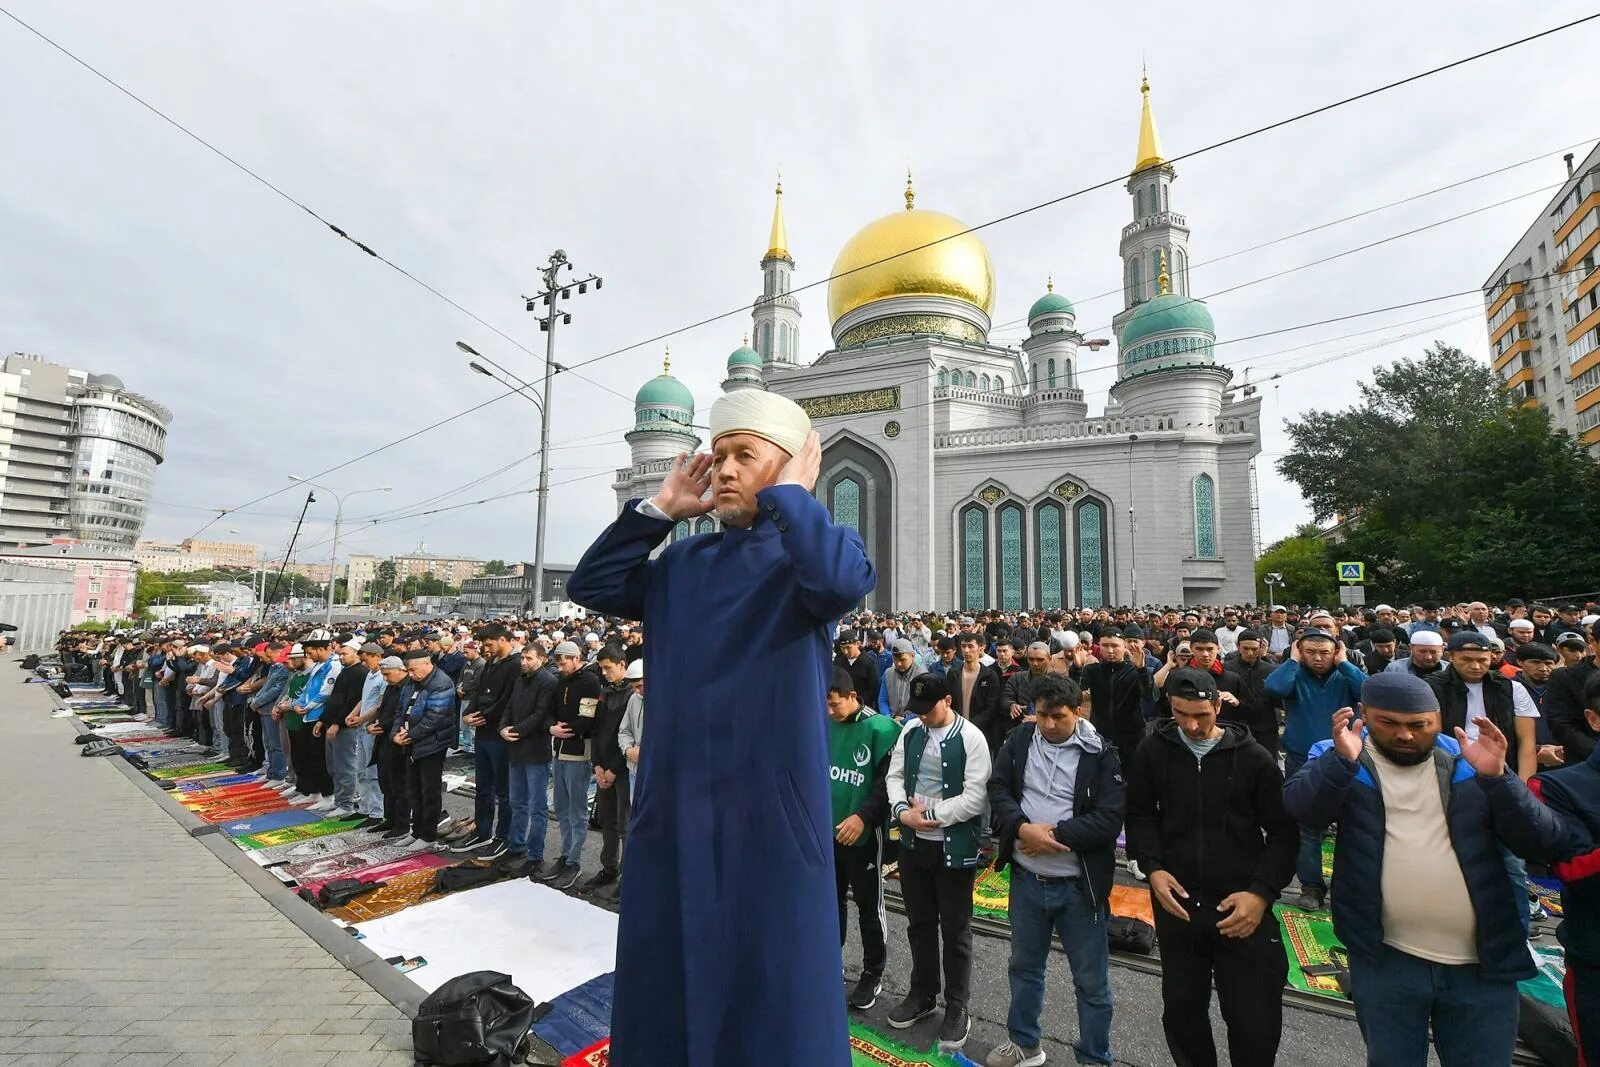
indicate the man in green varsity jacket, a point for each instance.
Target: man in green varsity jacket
{"x":938,"y":791}
{"x":859,"y":741}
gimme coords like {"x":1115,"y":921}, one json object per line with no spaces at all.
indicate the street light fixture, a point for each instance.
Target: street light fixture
{"x":338,"y":517}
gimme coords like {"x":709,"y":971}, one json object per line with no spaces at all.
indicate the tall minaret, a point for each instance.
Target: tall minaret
{"x":1156,"y":233}
{"x":776,"y":332}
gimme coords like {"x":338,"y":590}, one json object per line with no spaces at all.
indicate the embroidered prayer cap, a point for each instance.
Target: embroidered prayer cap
{"x":1426,"y":639}
{"x":766,"y":415}
{"x":567,"y":648}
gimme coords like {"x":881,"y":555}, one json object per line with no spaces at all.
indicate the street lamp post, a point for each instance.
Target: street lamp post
{"x":338,"y":517}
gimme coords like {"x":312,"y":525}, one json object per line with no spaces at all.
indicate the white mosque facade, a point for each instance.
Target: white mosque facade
{"x":972,"y":470}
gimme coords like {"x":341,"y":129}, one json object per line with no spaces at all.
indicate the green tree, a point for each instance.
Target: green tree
{"x":383,"y":582}
{"x":1306,"y":566}
{"x":495,"y":567}
{"x":1451,"y":490}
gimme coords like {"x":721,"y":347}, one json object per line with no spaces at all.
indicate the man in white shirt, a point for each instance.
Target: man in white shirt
{"x":1228,"y":633}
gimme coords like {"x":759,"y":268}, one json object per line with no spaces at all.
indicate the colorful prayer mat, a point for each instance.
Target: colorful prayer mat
{"x":276,"y":820}
{"x":1548,"y":890}
{"x":212,"y":783}
{"x":395,"y":895}
{"x":382,"y":872}
{"x":234,"y":813}
{"x":868,"y":1048}
{"x":596,"y":1055}
{"x":580,"y":1018}
{"x":346,"y":864}
{"x":991,"y":898}
{"x":288,"y":834}
{"x":173,"y":773}
{"x":302,"y":851}
{"x":1548,"y":986}
{"x":1309,"y":941}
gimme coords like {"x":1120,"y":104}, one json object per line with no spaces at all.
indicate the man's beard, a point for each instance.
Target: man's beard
{"x":1404,"y":759}
{"x":734,"y":516}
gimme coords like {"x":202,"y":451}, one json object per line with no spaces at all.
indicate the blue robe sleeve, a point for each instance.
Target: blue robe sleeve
{"x":613,"y":577}
{"x":830,"y":562}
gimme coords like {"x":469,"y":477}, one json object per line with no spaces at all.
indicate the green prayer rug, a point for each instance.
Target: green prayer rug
{"x":1549,"y":985}
{"x":1309,"y":941}
{"x":868,"y":1048}
{"x":303,"y":832}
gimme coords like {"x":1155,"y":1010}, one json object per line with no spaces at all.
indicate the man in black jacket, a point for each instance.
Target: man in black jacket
{"x":1470,"y":689}
{"x":1564,"y":704}
{"x":1057,"y":796}
{"x":975,"y":691}
{"x":1206,"y":823}
{"x":1115,"y":686}
{"x":1255,"y":711}
{"x":577,"y":705}
{"x":610,"y":765}
{"x":529,"y":714}
{"x":491,"y":805}
{"x":389,"y":757}
{"x":863,"y":667}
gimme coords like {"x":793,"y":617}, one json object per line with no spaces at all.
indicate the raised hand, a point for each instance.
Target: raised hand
{"x":1347,"y":740}
{"x":804,"y":465}
{"x":1486,"y":755}
{"x":683,"y":491}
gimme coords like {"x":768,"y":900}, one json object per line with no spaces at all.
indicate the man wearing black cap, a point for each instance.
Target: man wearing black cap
{"x":1469,"y":690}
{"x":938,"y":792}
{"x":1563,"y":697}
{"x":1206,"y":824}
{"x":1432,"y":922}
{"x":425,"y":725}
{"x":863,"y":668}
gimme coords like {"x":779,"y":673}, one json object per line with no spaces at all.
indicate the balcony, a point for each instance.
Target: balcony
{"x":1161,"y":218}
{"x":1202,"y":572}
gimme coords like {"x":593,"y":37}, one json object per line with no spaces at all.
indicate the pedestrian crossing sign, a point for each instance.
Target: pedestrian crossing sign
{"x":1352,"y":572}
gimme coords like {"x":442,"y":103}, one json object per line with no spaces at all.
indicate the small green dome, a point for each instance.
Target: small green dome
{"x":664,"y":389}
{"x":744,"y":356}
{"x":1167,"y":313}
{"x":1051,"y":303}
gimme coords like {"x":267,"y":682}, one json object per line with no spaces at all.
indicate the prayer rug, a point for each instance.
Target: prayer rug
{"x":288,"y":834}
{"x":1548,"y":890}
{"x":596,"y":1055}
{"x":1548,"y":985}
{"x":196,"y":771}
{"x":200,"y":784}
{"x":395,"y":895}
{"x":580,"y":1018}
{"x":243,"y":812}
{"x":276,"y":820}
{"x":1309,"y":941}
{"x":317,"y":847}
{"x":203,"y":798}
{"x":423,"y":861}
{"x":991,"y":898}
{"x":868,"y":1048}
{"x":489,"y":928}
{"x":346,"y":864}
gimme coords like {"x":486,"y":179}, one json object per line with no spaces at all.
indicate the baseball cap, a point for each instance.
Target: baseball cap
{"x":416,"y":653}
{"x":1187,"y":683}
{"x":318,"y":636}
{"x":371,"y":648}
{"x":902,"y":646}
{"x":1469,"y":641}
{"x":926,"y":691}
{"x":1570,"y":638}
{"x":848,"y":637}
{"x":567,"y":648}
{"x":1318,"y":635}
{"x":391,"y":663}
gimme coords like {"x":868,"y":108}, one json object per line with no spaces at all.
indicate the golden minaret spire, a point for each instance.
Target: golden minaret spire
{"x":666,"y":360}
{"x":911,"y":194}
{"x":1149,"y":154}
{"x":778,"y":242}
{"x":1163,"y":280}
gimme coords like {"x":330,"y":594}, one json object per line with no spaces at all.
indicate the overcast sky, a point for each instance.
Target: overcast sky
{"x":467,"y":141}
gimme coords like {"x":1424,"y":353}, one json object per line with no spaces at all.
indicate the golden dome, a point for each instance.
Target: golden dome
{"x":869,"y":267}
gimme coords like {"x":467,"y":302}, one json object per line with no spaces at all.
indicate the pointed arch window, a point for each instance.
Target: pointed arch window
{"x":972,"y":380}
{"x":1205,"y":517}
{"x":944,"y":376}
{"x":847,"y":503}
{"x":983,"y":383}
{"x":1050,"y":372}
{"x":682,"y":530}
{"x":1180,"y":272}
{"x":1091,"y":523}
{"x":974,"y":557}
{"x":1049,"y":524}
{"x":1155,"y":273}
{"x":704,"y":526}
{"x":1136,"y":279}
{"x":1035,"y":378}
{"x":1010,"y":541}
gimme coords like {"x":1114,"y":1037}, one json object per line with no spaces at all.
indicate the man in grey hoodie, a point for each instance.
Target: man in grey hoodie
{"x":896,"y":687}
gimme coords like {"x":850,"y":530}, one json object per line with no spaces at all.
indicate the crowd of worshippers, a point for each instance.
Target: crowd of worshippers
{"x":1221,"y":743}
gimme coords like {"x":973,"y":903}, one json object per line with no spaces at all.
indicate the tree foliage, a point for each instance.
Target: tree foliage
{"x":1306,"y":564}
{"x":1451,"y":490}
{"x":495,"y":567}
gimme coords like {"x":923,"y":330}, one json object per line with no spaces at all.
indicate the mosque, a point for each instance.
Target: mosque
{"x":974,"y":471}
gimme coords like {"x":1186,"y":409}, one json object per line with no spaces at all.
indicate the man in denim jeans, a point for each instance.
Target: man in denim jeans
{"x":526,"y":733}
{"x":1058,"y":800}
{"x":577,"y":700}
{"x":261,"y":704}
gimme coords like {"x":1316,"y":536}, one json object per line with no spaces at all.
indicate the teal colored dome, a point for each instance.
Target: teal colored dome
{"x":1167,"y":313}
{"x":664,"y":389}
{"x":744,"y":356}
{"x":1051,"y":303}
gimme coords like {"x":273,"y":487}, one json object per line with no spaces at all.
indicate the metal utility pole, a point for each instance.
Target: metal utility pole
{"x":338,"y":518}
{"x":553,"y":289}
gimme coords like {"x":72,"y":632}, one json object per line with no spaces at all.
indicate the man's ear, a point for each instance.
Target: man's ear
{"x":1593,"y":718}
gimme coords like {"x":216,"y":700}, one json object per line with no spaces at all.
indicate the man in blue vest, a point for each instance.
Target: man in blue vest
{"x":938,"y":792}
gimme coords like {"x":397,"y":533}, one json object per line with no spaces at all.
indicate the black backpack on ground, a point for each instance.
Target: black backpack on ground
{"x":1127,"y":934}
{"x":62,"y":690}
{"x":341,"y":891}
{"x":475,"y":1020}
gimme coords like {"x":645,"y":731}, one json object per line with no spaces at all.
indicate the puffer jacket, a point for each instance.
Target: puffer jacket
{"x":1481,"y":814}
{"x":428,"y":710}
{"x":1573,"y":792}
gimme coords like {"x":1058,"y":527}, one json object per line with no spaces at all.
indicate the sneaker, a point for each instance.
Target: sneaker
{"x":551,"y":871}
{"x":865,"y":994}
{"x":1309,"y":900}
{"x":567,"y":878}
{"x":321,"y":803}
{"x":447,"y":824}
{"x":471,"y":844}
{"x":343,"y":813}
{"x":493,"y":849}
{"x":603,"y":878}
{"x":462,"y":831}
{"x":276,"y":784}
{"x":904,"y":1014}
{"x":1133,"y":869}
{"x":372,"y":822}
{"x":1013,"y":1055}
{"x":954,"y":1029}
{"x":404,"y":840}
{"x":396,"y":834}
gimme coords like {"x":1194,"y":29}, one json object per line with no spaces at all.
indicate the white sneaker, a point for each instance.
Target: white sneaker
{"x":1133,"y":869}
{"x":294,"y":797}
{"x":321,"y":803}
{"x":341,"y":813}
{"x":406,"y":841}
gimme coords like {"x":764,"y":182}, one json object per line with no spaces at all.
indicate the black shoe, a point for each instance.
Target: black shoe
{"x":908,"y":1011}
{"x":371,"y":824}
{"x":471,"y":844}
{"x":604,"y":878}
{"x":491,"y":850}
{"x":382,"y":826}
{"x":552,"y":870}
{"x":1309,"y":900}
{"x":567,"y":878}
{"x":865,"y":994}
{"x":397,"y":833}
{"x":954,"y":1029}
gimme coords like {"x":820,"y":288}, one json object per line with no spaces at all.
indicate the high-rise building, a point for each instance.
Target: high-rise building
{"x":78,"y":455}
{"x":1543,"y":307}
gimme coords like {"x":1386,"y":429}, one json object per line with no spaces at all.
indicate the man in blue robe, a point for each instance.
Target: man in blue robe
{"x":728,"y":951}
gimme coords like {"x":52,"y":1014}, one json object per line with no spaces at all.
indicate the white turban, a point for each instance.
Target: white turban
{"x":766,"y":415}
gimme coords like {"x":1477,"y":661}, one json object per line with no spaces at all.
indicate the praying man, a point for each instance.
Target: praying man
{"x":727,"y":949}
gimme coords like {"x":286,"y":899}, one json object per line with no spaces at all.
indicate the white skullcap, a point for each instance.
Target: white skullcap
{"x":1383,"y":607}
{"x":1425,"y":638}
{"x":1588,"y":621}
{"x":766,"y":415}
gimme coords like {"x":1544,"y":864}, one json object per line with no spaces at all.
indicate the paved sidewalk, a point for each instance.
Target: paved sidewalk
{"x":125,"y":940}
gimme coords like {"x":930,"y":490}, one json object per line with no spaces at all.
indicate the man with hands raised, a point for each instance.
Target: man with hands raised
{"x":1424,"y":906}
{"x":1206,"y":823}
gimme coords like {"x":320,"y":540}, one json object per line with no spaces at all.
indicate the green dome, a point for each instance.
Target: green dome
{"x":744,"y":356}
{"x":1167,"y":313}
{"x":664,"y":389}
{"x":1051,"y":303}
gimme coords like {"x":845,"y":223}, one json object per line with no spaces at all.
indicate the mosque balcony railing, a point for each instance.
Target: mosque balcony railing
{"x":998,"y":399}
{"x":654,"y":466}
{"x":1150,"y":222}
{"x":1056,"y":396}
{"x":1113,"y":427}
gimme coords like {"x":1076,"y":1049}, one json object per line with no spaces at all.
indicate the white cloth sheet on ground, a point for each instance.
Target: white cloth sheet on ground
{"x":547,"y":941}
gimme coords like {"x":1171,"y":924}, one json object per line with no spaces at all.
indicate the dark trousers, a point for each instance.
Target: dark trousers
{"x":392,"y":783}
{"x":491,"y":804}
{"x":611,"y":811}
{"x":1308,"y":867}
{"x":425,"y":794}
{"x":253,"y":735}
{"x":938,"y":902}
{"x":233,"y":726}
{"x":182,"y":715}
{"x":858,"y":872}
{"x":136,"y":694}
{"x":1583,"y":1008}
{"x":310,"y":762}
{"x":1249,"y":973}
{"x":200,"y":723}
